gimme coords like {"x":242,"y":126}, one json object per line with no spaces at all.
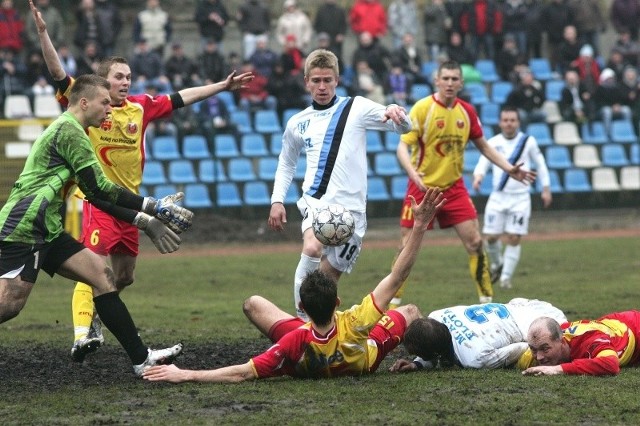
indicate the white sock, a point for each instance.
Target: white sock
{"x":511,"y":259}
{"x":305,"y":266}
{"x":494,"y":251}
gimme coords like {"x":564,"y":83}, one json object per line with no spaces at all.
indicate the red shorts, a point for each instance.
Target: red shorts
{"x":104,"y":234}
{"x":387,"y":333}
{"x":458,"y":208}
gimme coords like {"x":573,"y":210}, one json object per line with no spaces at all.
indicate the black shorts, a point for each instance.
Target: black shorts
{"x":26,"y":260}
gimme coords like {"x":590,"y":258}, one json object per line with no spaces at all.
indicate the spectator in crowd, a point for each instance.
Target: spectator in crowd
{"x":625,"y":15}
{"x":402,"y":19}
{"x":587,"y":68}
{"x":109,"y":25}
{"x":213,"y":118}
{"x":331,"y":18}
{"x":87,"y":24}
{"x":323,"y":41}
{"x":374,"y":53}
{"x":12,"y":71}
{"x":514,"y":18}
{"x":292,"y":58}
{"x":288,"y":89}
{"x":398,"y":86}
{"x":212,"y":18}
{"x":367,"y":84}
{"x":610,"y":100}
{"x":482,"y":22}
{"x":576,"y":102}
{"x":294,"y":21}
{"x":35,"y":68}
{"x":89,"y":59}
{"x":254,"y":95}
{"x":181,"y":70}
{"x":55,"y":24}
{"x":263,"y":58}
{"x":68,"y":61}
{"x":629,"y":47}
{"x":527,"y":97}
{"x":554,"y":17}
{"x":11,"y":28}
{"x":630,"y":87}
{"x":535,"y":28}
{"x":254,"y":20}
{"x":616,"y":62}
{"x":212,"y":66}
{"x":457,"y":51}
{"x":153,"y":24}
{"x":147,"y":67}
{"x":437,"y":24}
{"x":408,"y":57}
{"x":368,"y":16}
{"x":588,"y":17}
{"x":507,"y":58}
{"x":569,"y":49}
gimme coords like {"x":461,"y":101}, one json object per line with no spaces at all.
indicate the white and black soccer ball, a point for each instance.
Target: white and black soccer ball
{"x":333,"y":225}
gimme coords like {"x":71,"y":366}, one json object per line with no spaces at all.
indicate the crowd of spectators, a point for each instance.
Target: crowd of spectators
{"x":392,"y":44}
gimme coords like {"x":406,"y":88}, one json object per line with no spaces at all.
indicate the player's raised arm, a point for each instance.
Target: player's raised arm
{"x":48,"y":49}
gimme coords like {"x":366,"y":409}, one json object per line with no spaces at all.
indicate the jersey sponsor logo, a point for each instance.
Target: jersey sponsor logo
{"x":105,"y":153}
{"x":320,"y":360}
{"x":132,"y":128}
{"x":303,"y":126}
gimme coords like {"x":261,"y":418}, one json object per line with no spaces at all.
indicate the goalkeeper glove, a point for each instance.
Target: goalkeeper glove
{"x":177,"y":218}
{"x":165,"y":240}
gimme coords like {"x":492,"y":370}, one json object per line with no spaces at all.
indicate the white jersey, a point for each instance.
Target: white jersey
{"x":493,"y":335}
{"x":516,"y":150}
{"x":334,"y":140}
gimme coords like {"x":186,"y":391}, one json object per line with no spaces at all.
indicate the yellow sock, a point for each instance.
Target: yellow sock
{"x":479,"y":268}
{"x":82,"y":310}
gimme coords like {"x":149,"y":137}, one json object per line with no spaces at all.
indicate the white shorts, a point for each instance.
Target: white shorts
{"x":507,"y":213}
{"x":343,"y":257}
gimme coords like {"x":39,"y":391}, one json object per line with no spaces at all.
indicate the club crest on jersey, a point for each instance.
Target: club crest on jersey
{"x":302,"y":126}
{"x":106,"y":124}
{"x":460,"y":124}
{"x":132,"y":128}
{"x":440,"y":124}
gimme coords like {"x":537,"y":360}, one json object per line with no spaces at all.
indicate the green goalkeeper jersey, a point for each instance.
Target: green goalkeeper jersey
{"x":32,"y":214}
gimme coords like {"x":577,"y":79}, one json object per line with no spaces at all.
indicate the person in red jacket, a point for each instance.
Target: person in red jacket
{"x":11,"y":27}
{"x":596,"y":348}
{"x":482,"y":21}
{"x":368,"y":16}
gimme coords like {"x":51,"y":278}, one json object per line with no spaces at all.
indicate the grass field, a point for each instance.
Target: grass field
{"x":197,"y":299}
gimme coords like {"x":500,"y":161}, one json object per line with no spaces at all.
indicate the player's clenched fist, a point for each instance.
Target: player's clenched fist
{"x":177,"y":218}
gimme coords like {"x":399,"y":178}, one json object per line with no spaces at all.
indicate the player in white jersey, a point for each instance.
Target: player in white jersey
{"x":489,"y":335}
{"x":332,"y":133}
{"x":509,"y":206}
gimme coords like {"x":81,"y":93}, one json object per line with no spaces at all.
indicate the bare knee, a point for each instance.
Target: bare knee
{"x":10,"y":309}
{"x":251,"y":306}
{"x":123,"y":282}
{"x":474,"y":244}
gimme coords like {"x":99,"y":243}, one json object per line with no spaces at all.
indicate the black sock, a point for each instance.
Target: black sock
{"x":115,"y":316}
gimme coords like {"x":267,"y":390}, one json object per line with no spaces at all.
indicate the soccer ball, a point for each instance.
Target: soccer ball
{"x":333,"y":225}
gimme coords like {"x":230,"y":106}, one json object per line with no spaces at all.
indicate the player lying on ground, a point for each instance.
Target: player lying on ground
{"x":597,"y":347}
{"x":489,"y":335}
{"x":333,"y":343}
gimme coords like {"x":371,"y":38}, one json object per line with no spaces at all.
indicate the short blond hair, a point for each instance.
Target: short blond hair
{"x":321,"y":58}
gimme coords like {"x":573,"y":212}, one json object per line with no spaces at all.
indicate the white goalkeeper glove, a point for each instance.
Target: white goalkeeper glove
{"x":165,"y":240}
{"x":177,"y":218}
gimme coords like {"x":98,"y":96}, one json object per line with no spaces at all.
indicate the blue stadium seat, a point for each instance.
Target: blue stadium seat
{"x":181,"y":172}
{"x":634,"y":157}
{"x":500,"y":90}
{"x":622,"y":131}
{"x":541,"y":132}
{"x":242,"y":120}
{"x":161,"y":191}
{"x":541,"y":69}
{"x":374,"y":142}
{"x":490,"y":114}
{"x":143,"y":191}
{"x":228,"y":99}
{"x":419,"y":91}
{"x":210,"y":171}
{"x":267,"y":121}
{"x":471,"y":158}
{"x":554,"y":183}
{"x":614,"y":155}
{"x":558,"y":157}
{"x":553,"y":90}
{"x":488,"y":133}
{"x":391,"y":140}
{"x":486,"y":186}
{"x":288,"y":113}
{"x":487,"y":70}
{"x":256,"y":194}
{"x":253,"y":145}
{"x":398,"y":187}
{"x":240,"y":170}
{"x":153,"y":173}
{"x":225,"y":146}
{"x":267,"y":167}
{"x":165,"y":148}
{"x":467,"y":178}
{"x":477,"y":92}
{"x":275,"y":143}
{"x":386,"y":164}
{"x":341,"y":91}
{"x":228,"y":195}
{"x":427,"y":69}
{"x":195,"y":147}
{"x":594,"y":133}
{"x":576,"y":180}
{"x":293,"y":194}
{"x":196,"y":196}
{"x":377,"y":189}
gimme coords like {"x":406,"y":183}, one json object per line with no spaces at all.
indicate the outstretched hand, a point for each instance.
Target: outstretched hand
{"x":522,"y":175}
{"x":424,"y":212}
{"x":37,"y":17}
{"x":235,"y":82}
